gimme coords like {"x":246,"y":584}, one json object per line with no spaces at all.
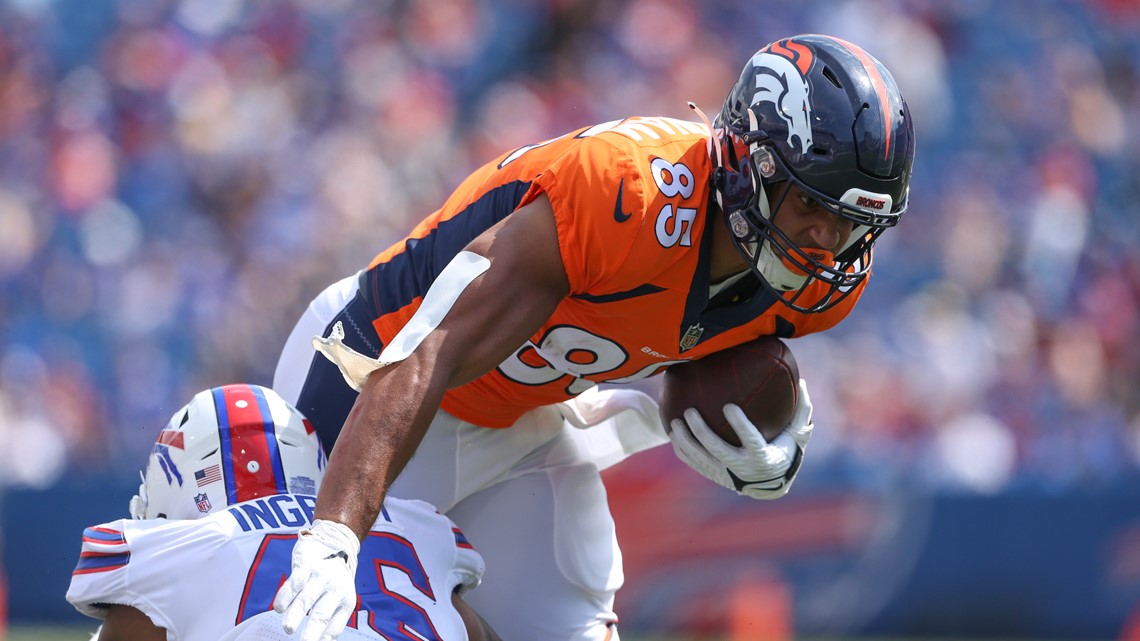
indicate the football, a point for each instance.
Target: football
{"x":760,"y":376}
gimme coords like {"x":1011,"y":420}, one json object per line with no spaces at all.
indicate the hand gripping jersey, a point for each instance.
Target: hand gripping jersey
{"x":200,"y":578}
{"x":631,"y":204}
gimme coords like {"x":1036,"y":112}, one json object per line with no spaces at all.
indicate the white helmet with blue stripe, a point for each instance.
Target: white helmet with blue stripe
{"x":228,"y":445}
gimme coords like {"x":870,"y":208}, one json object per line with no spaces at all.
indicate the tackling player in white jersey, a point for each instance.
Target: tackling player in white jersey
{"x":229,"y":485}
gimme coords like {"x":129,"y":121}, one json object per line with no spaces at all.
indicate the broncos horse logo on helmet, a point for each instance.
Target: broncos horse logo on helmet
{"x":825,"y":116}
{"x":780,"y":80}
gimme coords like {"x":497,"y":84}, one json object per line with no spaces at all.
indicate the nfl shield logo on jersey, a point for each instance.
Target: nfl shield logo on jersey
{"x":691,"y":337}
{"x":203,"y":502}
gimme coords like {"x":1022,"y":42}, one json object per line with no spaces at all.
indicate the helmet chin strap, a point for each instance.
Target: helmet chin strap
{"x":776,"y":272}
{"x":757,"y":180}
{"x":770,"y":265}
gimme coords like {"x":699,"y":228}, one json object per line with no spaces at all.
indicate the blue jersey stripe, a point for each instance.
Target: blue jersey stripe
{"x":461,"y":539}
{"x":91,"y":562}
{"x":103,"y":535}
{"x":408,"y":275}
{"x":640,"y":290}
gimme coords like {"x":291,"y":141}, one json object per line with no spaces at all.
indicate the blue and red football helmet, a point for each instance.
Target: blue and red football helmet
{"x":228,"y":445}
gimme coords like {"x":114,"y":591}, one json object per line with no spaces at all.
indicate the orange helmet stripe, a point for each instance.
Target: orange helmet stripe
{"x":879,"y":84}
{"x":800,"y":55}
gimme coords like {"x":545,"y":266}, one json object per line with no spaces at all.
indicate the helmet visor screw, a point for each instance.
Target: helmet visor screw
{"x":739,"y":226}
{"x":765,"y":164}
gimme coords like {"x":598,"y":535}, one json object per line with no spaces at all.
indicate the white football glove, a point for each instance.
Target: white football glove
{"x":757,"y":469}
{"x":322,"y":583}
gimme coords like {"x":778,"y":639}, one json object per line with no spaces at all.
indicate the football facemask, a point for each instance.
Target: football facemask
{"x":821,"y":114}
{"x":807,"y":279}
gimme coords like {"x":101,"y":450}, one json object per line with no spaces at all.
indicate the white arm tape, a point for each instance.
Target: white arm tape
{"x":440,"y":298}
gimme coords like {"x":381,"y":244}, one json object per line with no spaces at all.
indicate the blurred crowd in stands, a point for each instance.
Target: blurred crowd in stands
{"x":178,"y":178}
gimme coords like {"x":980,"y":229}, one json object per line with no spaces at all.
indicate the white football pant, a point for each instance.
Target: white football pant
{"x":529,"y":498}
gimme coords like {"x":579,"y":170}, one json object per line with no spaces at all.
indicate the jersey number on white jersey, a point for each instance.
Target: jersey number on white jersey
{"x":392,"y":611}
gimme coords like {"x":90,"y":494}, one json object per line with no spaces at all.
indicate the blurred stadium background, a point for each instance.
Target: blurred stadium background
{"x":179,"y":177}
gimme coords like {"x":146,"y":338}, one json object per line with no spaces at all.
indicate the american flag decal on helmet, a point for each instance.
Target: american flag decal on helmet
{"x":211,"y":474}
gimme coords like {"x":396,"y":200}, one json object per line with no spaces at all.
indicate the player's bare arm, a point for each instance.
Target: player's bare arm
{"x":125,"y":623}
{"x":498,"y":311}
{"x":477,"y":628}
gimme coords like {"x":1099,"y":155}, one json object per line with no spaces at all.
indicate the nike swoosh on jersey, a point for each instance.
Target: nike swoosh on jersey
{"x":620,"y":215}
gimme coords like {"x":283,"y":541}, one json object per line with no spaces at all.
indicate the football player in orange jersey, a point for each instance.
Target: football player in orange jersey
{"x":604,"y":255}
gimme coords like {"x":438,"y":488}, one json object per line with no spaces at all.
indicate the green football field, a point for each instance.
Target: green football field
{"x":50,"y":634}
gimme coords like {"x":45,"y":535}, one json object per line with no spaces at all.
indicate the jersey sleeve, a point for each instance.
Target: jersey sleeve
{"x":597,"y":196}
{"x":100,"y":577}
{"x":467,"y":572}
{"x":128,"y":562}
{"x":112,"y":567}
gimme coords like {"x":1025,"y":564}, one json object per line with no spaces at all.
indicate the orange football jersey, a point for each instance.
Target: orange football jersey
{"x":631,"y":204}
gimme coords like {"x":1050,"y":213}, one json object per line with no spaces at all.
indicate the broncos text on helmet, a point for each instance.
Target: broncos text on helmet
{"x":823,"y":115}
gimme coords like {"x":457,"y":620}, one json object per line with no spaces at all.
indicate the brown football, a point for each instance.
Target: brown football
{"x":760,"y":376}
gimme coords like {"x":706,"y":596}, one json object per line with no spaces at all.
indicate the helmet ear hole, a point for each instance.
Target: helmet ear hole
{"x":830,"y":75}
{"x":731,"y":157}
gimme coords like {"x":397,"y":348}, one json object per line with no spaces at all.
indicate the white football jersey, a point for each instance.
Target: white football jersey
{"x":201,"y":578}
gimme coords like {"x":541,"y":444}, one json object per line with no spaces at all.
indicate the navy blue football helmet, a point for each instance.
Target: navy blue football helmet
{"x":823,"y":115}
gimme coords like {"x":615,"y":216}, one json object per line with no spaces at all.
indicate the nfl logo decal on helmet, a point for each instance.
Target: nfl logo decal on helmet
{"x":229,"y":444}
{"x":203,"y":503}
